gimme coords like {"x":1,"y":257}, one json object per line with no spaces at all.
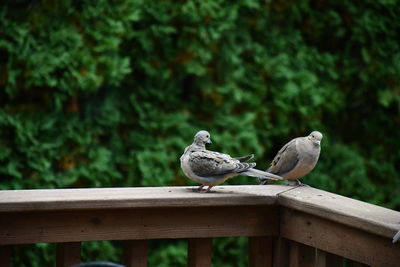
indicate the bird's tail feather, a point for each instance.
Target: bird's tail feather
{"x":262,"y":175}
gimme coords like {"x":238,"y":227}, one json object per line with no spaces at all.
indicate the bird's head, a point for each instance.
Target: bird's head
{"x":202,"y":138}
{"x":315,"y":137}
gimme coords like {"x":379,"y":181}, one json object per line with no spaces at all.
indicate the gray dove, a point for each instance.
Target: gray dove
{"x":297,"y":158}
{"x":212,"y":168}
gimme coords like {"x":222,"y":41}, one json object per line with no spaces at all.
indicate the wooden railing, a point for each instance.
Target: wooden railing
{"x":286,"y":226}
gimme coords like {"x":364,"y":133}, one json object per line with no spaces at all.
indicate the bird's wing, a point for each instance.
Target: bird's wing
{"x":245,"y":158}
{"x":207,"y":164}
{"x":286,"y":159}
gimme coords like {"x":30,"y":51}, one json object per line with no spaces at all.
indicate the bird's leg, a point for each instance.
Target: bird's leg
{"x":200,"y":188}
{"x":300,"y":183}
{"x":208,"y":189}
{"x":287,"y":183}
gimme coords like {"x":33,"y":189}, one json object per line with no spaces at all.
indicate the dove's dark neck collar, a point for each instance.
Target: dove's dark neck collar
{"x":199,"y":144}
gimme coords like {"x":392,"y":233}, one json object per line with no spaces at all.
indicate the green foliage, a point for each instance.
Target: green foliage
{"x":165,"y":253}
{"x":109,"y":92}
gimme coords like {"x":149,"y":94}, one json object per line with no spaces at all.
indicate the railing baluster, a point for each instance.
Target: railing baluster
{"x":321,"y":259}
{"x":326,"y":259}
{"x":301,"y":255}
{"x":68,"y":254}
{"x":294,"y":254}
{"x":333,"y":260}
{"x":281,"y":252}
{"x":135,"y":253}
{"x":260,"y":251}
{"x":199,"y":252}
{"x":5,"y":256}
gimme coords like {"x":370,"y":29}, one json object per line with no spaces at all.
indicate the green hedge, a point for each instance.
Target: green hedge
{"x":109,"y":92}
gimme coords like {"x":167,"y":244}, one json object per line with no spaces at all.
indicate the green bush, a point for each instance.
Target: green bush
{"x":109,"y":92}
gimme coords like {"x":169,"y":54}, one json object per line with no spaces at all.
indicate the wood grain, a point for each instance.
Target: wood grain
{"x":332,"y":260}
{"x":260,"y":251}
{"x":126,"y":224}
{"x":199,"y":252}
{"x":68,"y":254}
{"x":301,"y":255}
{"x":338,"y":239}
{"x":281,"y":252}
{"x":335,"y":224}
{"x":139,"y":197}
{"x":135,"y":253}
{"x":358,"y":214}
{"x":326,"y":259}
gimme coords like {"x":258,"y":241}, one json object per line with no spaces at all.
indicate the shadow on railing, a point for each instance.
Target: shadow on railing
{"x":286,"y":226}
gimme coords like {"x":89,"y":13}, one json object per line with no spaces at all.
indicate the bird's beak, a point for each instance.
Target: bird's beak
{"x":318,"y":143}
{"x":209,"y":141}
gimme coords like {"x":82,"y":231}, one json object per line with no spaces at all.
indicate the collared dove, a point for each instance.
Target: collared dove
{"x":297,"y":158}
{"x":396,"y":237}
{"x":212,"y":168}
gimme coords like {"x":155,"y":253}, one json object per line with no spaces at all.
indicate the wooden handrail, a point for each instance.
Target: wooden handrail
{"x":135,"y":197}
{"x":348,"y":211}
{"x":289,"y":221}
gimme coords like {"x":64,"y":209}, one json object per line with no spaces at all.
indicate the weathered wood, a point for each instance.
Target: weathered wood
{"x":5,"y":256}
{"x":320,"y":259}
{"x":281,"y":252}
{"x":333,"y":260}
{"x":352,"y":229}
{"x":127,"y":224}
{"x":199,"y":252}
{"x":260,"y":251}
{"x":326,"y":259}
{"x":301,"y":255}
{"x":339,"y":239}
{"x":357,"y":214}
{"x":294,"y":254}
{"x":140,"y":197}
{"x":68,"y":254}
{"x":135,"y":253}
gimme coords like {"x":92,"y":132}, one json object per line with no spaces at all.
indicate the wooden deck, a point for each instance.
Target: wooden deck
{"x":286,"y":226}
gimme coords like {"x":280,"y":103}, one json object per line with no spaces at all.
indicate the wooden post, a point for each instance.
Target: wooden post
{"x":68,"y":254}
{"x":199,"y":252}
{"x":135,"y":253}
{"x":260,"y":251}
{"x":5,"y":256}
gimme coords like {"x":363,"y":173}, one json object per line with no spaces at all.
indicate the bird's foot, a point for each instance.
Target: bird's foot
{"x":298,"y":183}
{"x":208,"y":189}
{"x":199,"y":189}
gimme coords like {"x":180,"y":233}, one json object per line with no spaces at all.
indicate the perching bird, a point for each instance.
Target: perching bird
{"x":297,"y":158}
{"x":211,"y":168}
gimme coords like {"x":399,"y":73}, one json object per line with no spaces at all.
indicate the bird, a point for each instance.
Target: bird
{"x":297,"y":158}
{"x":210,"y":168}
